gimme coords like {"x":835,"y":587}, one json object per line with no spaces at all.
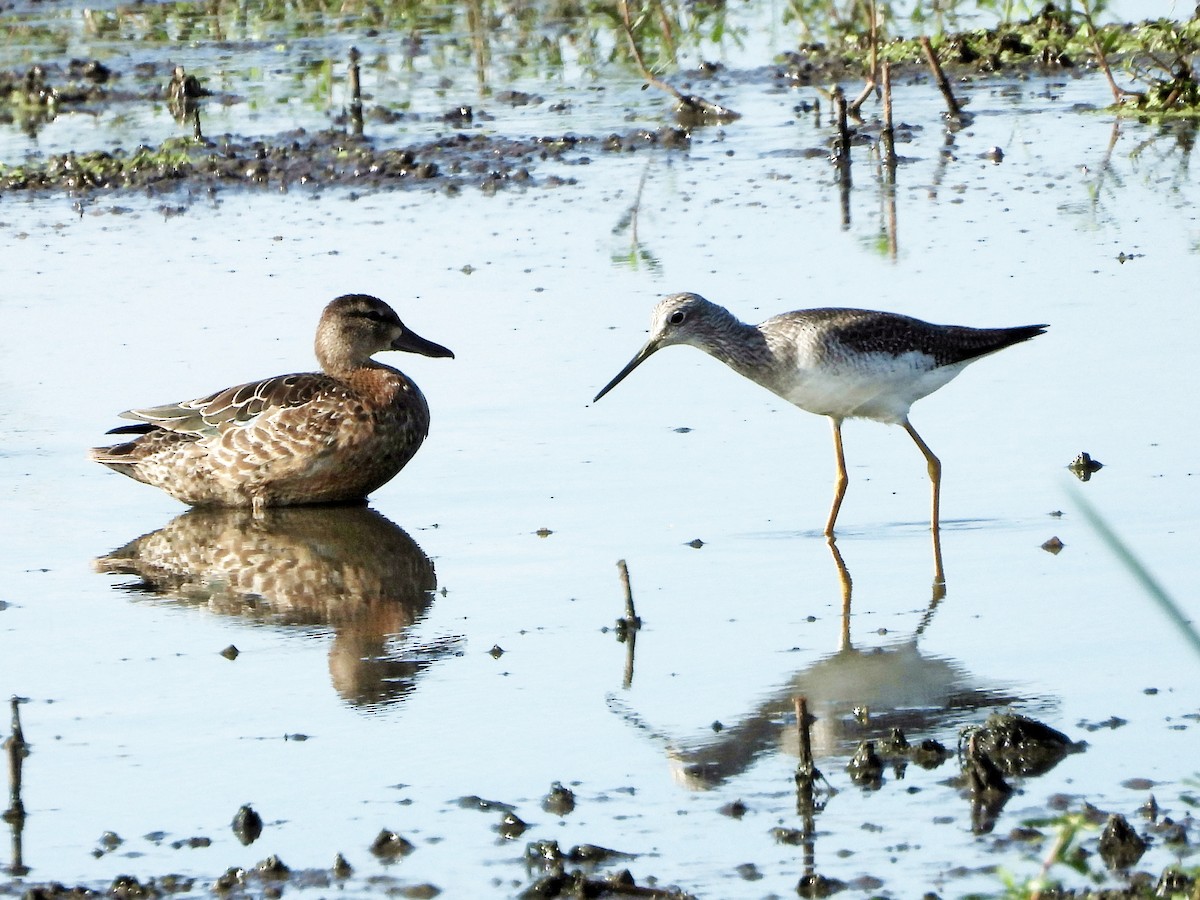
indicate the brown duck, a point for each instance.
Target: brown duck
{"x":316,"y":437}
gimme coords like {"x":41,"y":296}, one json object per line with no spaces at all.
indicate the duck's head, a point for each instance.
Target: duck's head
{"x":356,"y":326}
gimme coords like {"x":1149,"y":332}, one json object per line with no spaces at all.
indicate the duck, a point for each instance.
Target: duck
{"x":333,"y":436}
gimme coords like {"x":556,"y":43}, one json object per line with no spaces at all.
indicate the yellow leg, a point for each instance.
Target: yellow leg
{"x":847,"y":589}
{"x":839,"y":486}
{"x":935,"y":478}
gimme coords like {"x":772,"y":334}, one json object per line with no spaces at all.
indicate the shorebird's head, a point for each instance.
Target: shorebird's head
{"x":355,"y":326}
{"x":680,"y":319}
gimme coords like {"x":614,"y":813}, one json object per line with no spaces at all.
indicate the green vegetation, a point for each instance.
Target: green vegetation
{"x":1067,"y":854}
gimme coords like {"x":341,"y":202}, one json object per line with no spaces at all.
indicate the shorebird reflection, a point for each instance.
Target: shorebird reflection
{"x":344,"y":567}
{"x":854,"y":694}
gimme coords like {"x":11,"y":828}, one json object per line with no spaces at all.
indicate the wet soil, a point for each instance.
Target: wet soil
{"x":347,"y":155}
{"x":188,"y":168}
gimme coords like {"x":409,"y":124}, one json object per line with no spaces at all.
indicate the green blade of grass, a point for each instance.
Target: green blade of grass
{"x":1140,"y":573}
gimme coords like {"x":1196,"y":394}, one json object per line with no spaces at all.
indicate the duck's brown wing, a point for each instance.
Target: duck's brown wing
{"x":236,"y":405}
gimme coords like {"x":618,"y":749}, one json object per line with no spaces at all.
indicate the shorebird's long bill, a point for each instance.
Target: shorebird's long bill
{"x":410,"y":342}
{"x":642,"y":356}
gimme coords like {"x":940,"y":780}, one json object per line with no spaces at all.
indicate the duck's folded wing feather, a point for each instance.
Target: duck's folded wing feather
{"x":236,"y":405}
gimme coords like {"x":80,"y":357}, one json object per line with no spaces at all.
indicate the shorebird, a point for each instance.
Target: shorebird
{"x":315,"y":437}
{"x":840,"y":363}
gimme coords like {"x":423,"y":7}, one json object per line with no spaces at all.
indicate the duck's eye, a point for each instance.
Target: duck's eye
{"x":374,"y":315}
{"x":677,"y":317}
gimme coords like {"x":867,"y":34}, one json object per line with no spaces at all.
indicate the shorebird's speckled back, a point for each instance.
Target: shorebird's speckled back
{"x":846,"y":363}
{"x":325,"y":437}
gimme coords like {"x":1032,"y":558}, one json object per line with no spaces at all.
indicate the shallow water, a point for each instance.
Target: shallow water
{"x":139,"y":726}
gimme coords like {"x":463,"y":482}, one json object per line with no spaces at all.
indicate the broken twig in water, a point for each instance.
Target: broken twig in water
{"x":887,"y":137}
{"x":940,"y":76}
{"x":804,"y":728}
{"x":16,"y":750}
{"x":183,"y":99}
{"x":627,"y":627}
{"x":356,"y":107}
{"x":873,"y":74}
{"x":692,"y":109}
{"x":631,"y":620}
{"x":1120,"y":94}
{"x":841,"y":154}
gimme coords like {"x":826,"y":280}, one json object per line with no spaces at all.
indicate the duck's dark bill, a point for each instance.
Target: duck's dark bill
{"x":411,"y":342}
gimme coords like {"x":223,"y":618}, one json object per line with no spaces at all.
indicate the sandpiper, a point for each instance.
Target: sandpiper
{"x":315,"y":437}
{"x":840,"y":363}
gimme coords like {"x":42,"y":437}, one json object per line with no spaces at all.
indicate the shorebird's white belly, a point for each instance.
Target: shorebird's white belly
{"x":875,"y":386}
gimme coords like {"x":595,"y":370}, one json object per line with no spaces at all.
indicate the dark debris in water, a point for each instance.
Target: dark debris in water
{"x":1120,"y":846}
{"x":1083,"y":466}
{"x":388,"y":845}
{"x":1021,"y":746}
{"x":559,"y":801}
{"x":326,"y":159}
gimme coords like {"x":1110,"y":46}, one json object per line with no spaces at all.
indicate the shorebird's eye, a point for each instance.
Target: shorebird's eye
{"x":677,"y":317}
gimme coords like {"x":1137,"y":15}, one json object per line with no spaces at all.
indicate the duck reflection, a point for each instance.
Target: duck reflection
{"x":343,"y":567}
{"x":854,"y":694}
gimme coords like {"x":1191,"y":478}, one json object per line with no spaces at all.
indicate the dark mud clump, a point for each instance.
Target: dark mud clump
{"x":325,"y":159}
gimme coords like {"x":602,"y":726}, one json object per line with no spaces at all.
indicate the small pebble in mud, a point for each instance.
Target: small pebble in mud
{"x":1170,"y":831}
{"x":749,"y":872}
{"x":717,"y":726}
{"x":543,"y":532}
{"x":1054,"y":545}
{"x":819,"y":886}
{"x":247,"y":825}
{"x":230,"y":652}
{"x":231,"y":879}
{"x":110,"y":841}
{"x":511,"y":826}
{"x":1111,"y":723}
{"x":272,"y":867}
{"x":595,"y":854}
{"x":734,"y":810}
{"x":1026,"y":835}
{"x":496,"y":652}
{"x":1120,"y":845}
{"x":1083,"y":466}
{"x":459,"y":116}
{"x":559,"y":801}
{"x":192,"y":843}
{"x":341,"y":868}
{"x":695,"y":544}
{"x":389,"y":845}
{"x":127,"y":886}
{"x":995,"y":154}
{"x":865,"y":768}
{"x":479,"y":803}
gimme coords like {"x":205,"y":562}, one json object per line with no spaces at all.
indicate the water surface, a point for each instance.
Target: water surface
{"x":525,"y":496}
